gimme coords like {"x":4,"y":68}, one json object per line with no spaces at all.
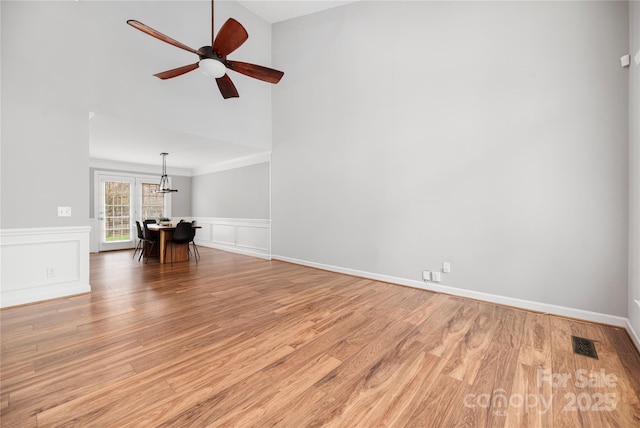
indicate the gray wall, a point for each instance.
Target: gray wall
{"x":492,"y":135}
{"x":235,"y":193}
{"x":45,"y":127}
{"x":181,"y":201}
{"x":634,"y":164}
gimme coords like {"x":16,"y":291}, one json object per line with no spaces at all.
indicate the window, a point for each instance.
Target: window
{"x":152,"y":203}
{"x":120,"y":200}
{"x":117,"y":211}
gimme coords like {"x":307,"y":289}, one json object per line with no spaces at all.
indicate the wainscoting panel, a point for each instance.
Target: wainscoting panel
{"x":245,"y":236}
{"x":252,"y":237}
{"x":43,"y":263}
{"x":223,"y":234}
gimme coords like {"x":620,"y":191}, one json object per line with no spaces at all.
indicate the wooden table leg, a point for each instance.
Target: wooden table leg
{"x":180,"y":251}
{"x":165,"y":237}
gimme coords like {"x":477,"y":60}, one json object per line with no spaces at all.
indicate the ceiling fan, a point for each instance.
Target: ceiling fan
{"x":213,"y":59}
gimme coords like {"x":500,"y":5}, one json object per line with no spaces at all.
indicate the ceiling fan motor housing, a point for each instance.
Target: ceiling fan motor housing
{"x":208,"y":52}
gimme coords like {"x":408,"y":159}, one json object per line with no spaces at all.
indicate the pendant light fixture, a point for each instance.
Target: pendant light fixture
{"x":164,"y":180}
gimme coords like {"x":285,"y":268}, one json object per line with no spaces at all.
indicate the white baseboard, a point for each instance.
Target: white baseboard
{"x":43,"y":263}
{"x":235,"y":249}
{"x":41,"y":293}
{"x":477,"y":295}
{"x":633,"y":335}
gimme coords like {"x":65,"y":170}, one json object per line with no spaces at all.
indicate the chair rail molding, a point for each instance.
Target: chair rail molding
{"x":251,"y":237}
{"x":43,"y":263}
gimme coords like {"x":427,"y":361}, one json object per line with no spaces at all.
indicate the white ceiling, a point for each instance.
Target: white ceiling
{"x":181,"y":122}
{"x":125,"y":141}
{"x":279,"y":10}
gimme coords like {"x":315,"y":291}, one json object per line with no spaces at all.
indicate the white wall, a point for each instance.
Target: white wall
{"x":45,"y":153}
{"x":634,"y":165}
{"x":492,"y":135}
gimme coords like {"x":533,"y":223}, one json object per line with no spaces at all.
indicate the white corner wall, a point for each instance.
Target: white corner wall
{"x":492,"y":135}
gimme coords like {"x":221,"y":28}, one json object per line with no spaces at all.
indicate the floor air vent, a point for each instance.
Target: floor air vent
{"x":582,"y":346}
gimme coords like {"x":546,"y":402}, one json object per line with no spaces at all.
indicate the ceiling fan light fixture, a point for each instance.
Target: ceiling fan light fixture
{"x":212,"y":67}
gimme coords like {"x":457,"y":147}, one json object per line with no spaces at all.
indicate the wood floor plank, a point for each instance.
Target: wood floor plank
{"x":535,"y":348}
{"x":562,"y":374}
{"x":465,"y":360}
{"x":442,"y":405}
{"x":272,"y":401}
{"x":601,"y":377}
{"x":379,"y":390}
{"x":444,"y":337}
{"x":107,"y":409}
{"x":406,"y":396}
{"x":242,"y":341}
{"x":530,"y":401}
{"x":511,"y":327}
{"x":486,"y":403}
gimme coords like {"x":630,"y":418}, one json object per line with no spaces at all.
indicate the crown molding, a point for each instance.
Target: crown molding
{"x":136,"y":167}
{"x":234,"y":163}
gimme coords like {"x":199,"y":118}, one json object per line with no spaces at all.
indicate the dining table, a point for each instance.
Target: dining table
{"x":180,"y":251}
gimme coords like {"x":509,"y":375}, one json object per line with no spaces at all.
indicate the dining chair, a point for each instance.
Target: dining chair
{"x":150,"y":239}
{"x":193,"y":241}
{"x":140,"y":242}
{"x":182,"y":235}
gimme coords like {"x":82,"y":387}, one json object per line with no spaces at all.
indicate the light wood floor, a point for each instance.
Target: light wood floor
{"x":240,"y":341}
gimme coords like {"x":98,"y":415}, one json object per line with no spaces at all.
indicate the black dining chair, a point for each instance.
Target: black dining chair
{"x":152,"y":233}
{"x":140,"y":242}
{"x":196,"y":253}
{"x":182,"y":235}
{"x":150,"y":240}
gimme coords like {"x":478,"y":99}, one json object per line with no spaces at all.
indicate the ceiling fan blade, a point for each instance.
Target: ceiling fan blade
{"x":227,"y":88}
{"x":230,"y":37}
{"x":158,"y":35}
{"x":175,"y":72}
{"x":256,"y":71}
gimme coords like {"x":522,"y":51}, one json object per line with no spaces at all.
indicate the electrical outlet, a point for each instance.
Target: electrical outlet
{"x":51,"y":272}
{"x":436,"y":276}
{"x":426,"y":275}
{"x":64,"y":211}
{"x":446,"y":267}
